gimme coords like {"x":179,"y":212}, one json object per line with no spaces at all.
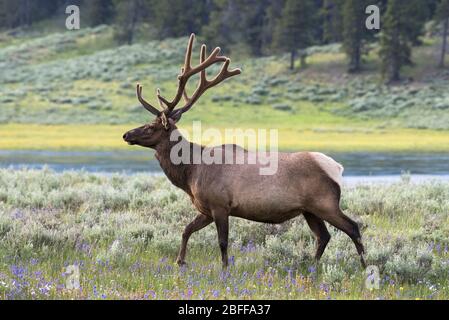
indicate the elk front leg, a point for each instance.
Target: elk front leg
{"x":198,"y":223}
{"x":222,"y":223}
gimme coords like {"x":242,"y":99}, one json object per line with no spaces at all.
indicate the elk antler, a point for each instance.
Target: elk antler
{"x":187,"y":71}
{"x":144,"y":103}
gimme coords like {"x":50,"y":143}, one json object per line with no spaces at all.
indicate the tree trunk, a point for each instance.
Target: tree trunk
{"x":444,"y":46}
{"x":395,"y":70}
{"x":131,"y":20}
{"x":132,"y":23}
{"x":354,"y":63}
{"x":303,"y":61}
{"x":292,"y":59}
{"x":23,"y":14}
{"x":396,"y":63}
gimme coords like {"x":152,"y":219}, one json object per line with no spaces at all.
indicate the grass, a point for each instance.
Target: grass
{"x":305,"y":137}
{"x":123,"y":233}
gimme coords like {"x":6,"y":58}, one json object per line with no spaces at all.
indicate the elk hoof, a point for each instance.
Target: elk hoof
{"x":362,"y":261}
{"x":181,"y":262}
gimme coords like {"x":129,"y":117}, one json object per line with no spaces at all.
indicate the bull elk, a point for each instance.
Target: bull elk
{"x":307,"y":183}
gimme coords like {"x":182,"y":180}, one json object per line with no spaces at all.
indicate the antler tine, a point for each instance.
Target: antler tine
{"x":204,"y":84}
{"x":144,"y":103}
{"x":188,"y":58}
{"x":186,"y":97}
{"x":182,"y":80}
{"x":187,"y":71}
{"x":224,"y":74}
{"x":202,"y":73}
{"x":202,"y":58}
{"x":158,"y":94}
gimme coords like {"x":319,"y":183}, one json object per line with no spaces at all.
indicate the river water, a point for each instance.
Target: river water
{"x":359,"y":166}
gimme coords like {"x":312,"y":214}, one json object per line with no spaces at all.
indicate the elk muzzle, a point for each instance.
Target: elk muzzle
{"x":128,"y":137}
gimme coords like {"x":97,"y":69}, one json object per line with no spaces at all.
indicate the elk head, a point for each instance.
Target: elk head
{"x":150,"y":135}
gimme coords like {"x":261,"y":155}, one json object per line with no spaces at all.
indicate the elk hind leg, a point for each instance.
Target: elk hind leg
{"x":339,"y":220}
{"x":319,"y":229}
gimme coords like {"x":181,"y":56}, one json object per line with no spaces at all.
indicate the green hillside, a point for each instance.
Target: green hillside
{"x":84,"y":78}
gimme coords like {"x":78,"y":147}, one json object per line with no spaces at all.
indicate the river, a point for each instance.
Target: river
{"x":359,"y":166}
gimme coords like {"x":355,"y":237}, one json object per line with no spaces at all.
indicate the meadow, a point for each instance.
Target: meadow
{"x":326,"y":138}
{"x":123,"y":233}
{"x":76,"y":91}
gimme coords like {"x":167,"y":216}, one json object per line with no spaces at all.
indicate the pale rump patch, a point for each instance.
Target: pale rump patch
{"x":333,"y":169}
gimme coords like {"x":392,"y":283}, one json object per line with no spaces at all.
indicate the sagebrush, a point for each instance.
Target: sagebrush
{"x":124,"y":231}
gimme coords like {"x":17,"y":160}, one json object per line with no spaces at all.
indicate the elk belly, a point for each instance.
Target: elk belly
{"x":267,"y":207}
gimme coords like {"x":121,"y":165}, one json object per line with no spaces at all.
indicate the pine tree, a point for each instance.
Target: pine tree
{"x":241,"y":23}
{"x":128,"y":15}
{"x":331,"y":14}
{"x":354,"y":32}
{"x":18,"y":13}
{"x":395,"y":49}
{"x":3,"y":14}
{"x":99,"y":11}
{"x":417,"y":12}
{"x":442,"y":15}
{"x":296,"y":28}
{"x":255,"y":14}
{"x":225,"y":27}
{"x":273,"y":14}
{"x":176,"y":18}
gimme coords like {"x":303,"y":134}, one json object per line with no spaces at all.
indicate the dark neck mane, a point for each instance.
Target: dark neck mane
{"x":179,"y":174}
